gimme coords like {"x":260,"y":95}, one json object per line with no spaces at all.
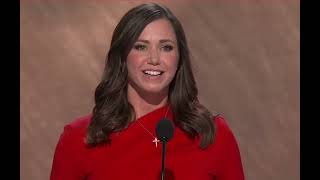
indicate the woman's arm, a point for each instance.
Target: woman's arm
{"x":66,"y":160}
{"x":231,"y":165}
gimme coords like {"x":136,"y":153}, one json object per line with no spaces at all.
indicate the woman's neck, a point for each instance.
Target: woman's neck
{"x":144,"y":103}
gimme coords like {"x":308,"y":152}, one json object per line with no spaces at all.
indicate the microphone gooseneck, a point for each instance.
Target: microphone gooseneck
{"x":164,"y":131}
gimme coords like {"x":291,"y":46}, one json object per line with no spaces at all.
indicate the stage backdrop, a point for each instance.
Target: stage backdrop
{"x":245,"y":56}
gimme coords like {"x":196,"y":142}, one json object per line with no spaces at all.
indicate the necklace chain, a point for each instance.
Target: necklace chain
{"x":145,"y":129}
{"x":155,"y":138}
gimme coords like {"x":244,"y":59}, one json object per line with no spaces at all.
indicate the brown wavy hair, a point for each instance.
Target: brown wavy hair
{"x":113,"y":112}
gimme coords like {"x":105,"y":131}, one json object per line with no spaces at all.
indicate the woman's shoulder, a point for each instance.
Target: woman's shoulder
{"x":223,"y":131}
{"x":79,"y":123}
{"x":220,"y":122}
{"x":76,"y":129}
{"x":71,"y":148}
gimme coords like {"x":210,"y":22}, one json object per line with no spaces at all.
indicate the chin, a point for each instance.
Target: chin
{"x":155,"y":89}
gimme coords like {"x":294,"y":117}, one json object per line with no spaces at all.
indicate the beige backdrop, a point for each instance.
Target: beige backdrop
{"x":246,"y":60}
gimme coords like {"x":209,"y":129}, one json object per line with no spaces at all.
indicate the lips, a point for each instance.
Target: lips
{"x":153,"y":72}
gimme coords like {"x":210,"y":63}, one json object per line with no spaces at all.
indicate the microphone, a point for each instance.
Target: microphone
{"x":164,"y":132}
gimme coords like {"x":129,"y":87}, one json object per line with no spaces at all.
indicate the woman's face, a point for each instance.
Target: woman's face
{"x":153,"y":60}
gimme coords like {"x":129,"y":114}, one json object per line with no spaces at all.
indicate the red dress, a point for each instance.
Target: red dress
{"x":133,"y":155}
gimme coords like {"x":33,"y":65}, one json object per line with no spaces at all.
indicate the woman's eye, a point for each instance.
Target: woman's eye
{"x":167,"y":48}
{"x":140,"y":47}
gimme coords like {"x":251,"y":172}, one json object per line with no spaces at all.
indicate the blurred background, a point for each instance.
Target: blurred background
{"x":246,"y":59}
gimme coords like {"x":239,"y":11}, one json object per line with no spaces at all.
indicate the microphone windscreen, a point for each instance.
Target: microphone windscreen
{"x":164,"y":129}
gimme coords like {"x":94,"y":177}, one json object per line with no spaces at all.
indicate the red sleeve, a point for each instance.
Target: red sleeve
{"x":66,"y":161}
{"x":231,"y":166}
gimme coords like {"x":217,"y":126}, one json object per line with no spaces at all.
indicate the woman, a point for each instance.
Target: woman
{"x":147,"y":77}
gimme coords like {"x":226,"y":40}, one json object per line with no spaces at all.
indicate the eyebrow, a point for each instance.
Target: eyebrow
{"x":161,"y":41}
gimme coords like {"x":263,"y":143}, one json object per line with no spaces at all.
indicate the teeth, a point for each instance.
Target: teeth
{"x":153,"y":73}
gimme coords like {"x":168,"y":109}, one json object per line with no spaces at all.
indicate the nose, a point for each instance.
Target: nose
{"x":153,"y":57}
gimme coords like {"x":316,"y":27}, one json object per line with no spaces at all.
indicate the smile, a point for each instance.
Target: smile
{"x":153,"y":73}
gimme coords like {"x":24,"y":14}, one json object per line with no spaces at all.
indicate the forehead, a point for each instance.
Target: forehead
{"x":158,"y":29}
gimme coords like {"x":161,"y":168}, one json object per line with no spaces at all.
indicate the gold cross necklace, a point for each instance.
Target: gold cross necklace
{"x":155,"y":140}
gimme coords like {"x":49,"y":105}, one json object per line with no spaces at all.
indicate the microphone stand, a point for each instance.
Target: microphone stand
{"x":164,"y":143}
{"x":164,"y":131}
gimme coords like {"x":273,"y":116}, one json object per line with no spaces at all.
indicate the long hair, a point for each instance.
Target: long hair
{"x":113,"y":112}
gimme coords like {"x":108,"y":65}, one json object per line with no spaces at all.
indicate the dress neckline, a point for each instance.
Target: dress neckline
{"x":150,"y":119}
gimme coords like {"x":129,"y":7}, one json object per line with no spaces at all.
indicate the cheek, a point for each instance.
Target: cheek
{"x":133,"y":61}
{"x":172,"y":62}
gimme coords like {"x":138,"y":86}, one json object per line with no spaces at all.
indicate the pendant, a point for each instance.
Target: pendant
{"x":156,"y":140}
